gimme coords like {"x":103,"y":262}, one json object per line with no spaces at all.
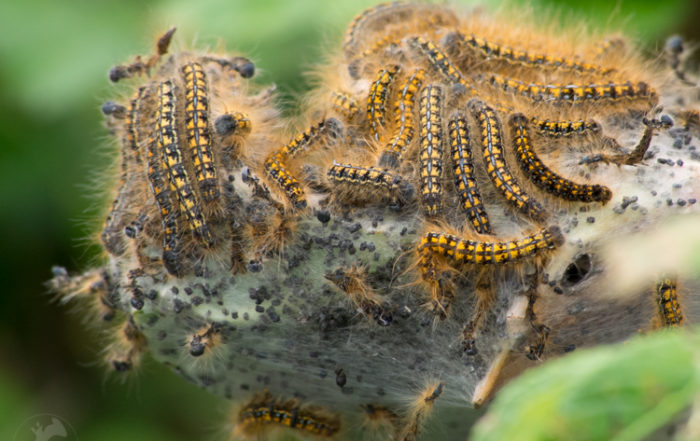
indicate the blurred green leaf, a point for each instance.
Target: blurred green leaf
{"x":622,"y":392}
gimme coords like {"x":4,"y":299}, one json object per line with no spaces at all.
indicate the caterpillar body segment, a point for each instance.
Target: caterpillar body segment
{"x":467,"y":251}
{"x":275,"y":164}
{"x":669,"y":308}
{"x":377,"y":99}
{"x":199,"y":139}
{"x":496,"y":167}
{"x":565,"y":128}
{"x":277,"y":171}
{"x":431,"y":149}
{"x":345,"y":104}
{"x":464,"y":178}
{"x":362,"y":20}
{"x":576,"y":93}
{"x":494,"y":51}
{"x":265,"y":412}
{"x":303,"y":140}
{"x":543,"y":176}
{"x":167,"y":139}
{"x":442,"y":63}
{"x":166,"y":202}
{"x":404,"y":126}
{"x":369,"y":182}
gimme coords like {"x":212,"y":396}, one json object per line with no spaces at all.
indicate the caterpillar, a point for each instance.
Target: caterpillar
{"x":496,"y":167}
{"x":167,"y":140}
{"x":431,"y":149}
{"x":345,"y":104}
{"x":467,"y":251}
{"x":543,"y":176}
{"x":168,"y":211}
{"x":355,"y":175}
{"x":403,"y":121}
{"x":197,"y":127}
{"x":358,"y":25}
{"x":275,"y":163}
{"x":441,"y":62}
{"x":278,"y":172}
{"x":490,"y":50}
{"x":565,"y":128}
{"x":376,"y":100}
{"x":575,"y":93}
{"x":386,"y":15}
{"x":266,"y":410}
{"x":669,"y":307}
{"x":305,"y":138}
{"x":464,"y":179}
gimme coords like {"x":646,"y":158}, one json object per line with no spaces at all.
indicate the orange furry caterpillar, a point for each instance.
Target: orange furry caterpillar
{"x":576,"y":93}
{"x":360,"y":184}
{"x":441,"y":62}
{"x":491,"y":51}
{"x":464,"y":179}
{"x":265,"y":412}
{"x":163,"y":194}
{"x":565,"y":128}
{"x":197,"y":127}
{"x":345,"y":104}
{"x":545,"y":178}
{"x":167,"y":141}
{"x":669,"y":308}
{"x":467,"y":251}
{"x":403,"y":121}
{"x":431,"y":140}
{"x":376,"y":100}
{"x":275,"y":163}
{"x":501,"y":177}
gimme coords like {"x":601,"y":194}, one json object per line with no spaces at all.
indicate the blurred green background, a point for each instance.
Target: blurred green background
{"x":54,"y":59}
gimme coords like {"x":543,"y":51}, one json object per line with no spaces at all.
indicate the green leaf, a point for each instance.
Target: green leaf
{"x":622,"y":392}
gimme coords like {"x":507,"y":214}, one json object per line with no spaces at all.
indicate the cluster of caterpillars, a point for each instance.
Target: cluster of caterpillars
{"x":437,"y":98}
{"x":183,"y":133}
{"x":418,"y":98}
